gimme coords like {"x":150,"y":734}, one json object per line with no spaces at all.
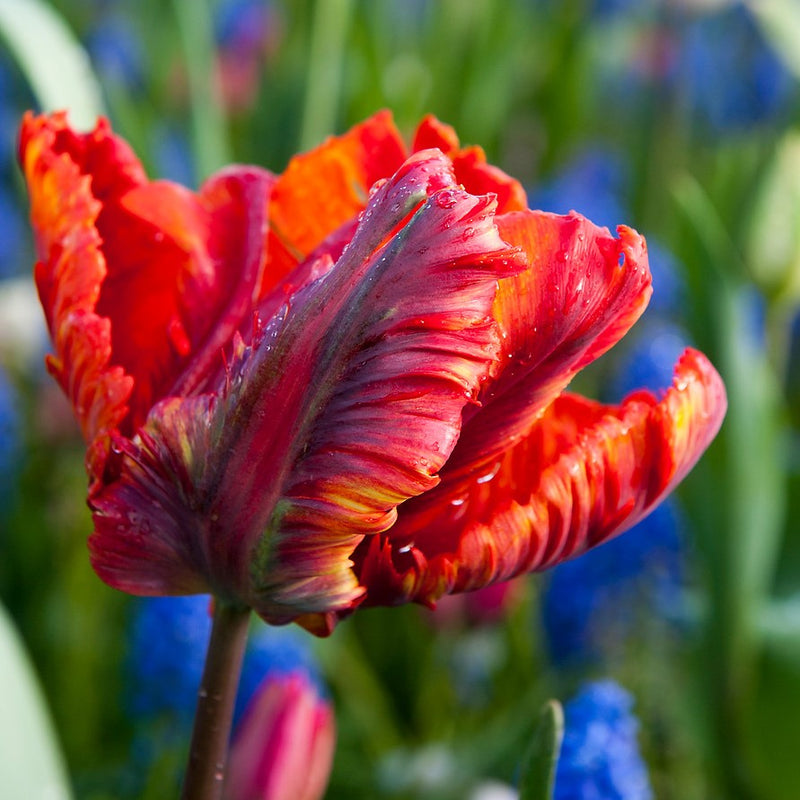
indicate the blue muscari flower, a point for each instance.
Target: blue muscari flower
{"x":116,"y":51}
{"x":646,"y":361}
{"x":168,"y":642}
{"x":600,"y":758}
{"x":14,"y":239}
{"x":592,"y":183}
{"x":593,"y":600}
{"x":733,"y":79}
{"x":10,"y":445}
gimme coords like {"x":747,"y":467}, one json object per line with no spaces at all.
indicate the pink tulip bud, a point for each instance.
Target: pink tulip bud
{"x":283,"y":748}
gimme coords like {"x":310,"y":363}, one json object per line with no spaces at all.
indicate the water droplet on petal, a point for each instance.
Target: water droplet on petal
{"x":445,"y":198}
{"x":489,"y":475}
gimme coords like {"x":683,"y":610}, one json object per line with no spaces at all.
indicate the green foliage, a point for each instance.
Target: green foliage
{"x":539,"y":771}
{"x":53,"y":61}
{"x":30,"y":761}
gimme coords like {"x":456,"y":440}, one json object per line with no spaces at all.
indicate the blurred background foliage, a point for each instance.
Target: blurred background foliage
{"x":679,"y":117}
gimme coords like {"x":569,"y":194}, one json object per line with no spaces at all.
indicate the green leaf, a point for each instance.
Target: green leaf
{"x":772,"y":714}
{"x":30,"y":762}
{"x":774,"y":230}
{"x":209,"y":126}
{"x":779,"y":624}
{"x":751,"y":488}
{"x":780,"y":21}
{"x":51,"y":59}
{"x":539,"y":769}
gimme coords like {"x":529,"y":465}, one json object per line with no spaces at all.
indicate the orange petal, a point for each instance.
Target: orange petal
{"x":585,"y":473}
{"x":324,"y":188}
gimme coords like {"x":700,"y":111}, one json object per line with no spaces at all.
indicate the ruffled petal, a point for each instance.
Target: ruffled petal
{"x":585,"y":473}
{"x":470,"y":165}
{"x":582,"y":291}
{"x":348,"y":403}
{"x":70,"y":275}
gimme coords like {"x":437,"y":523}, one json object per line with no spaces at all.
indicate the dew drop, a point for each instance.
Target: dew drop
{"x":445,"y":199}
{"x":489,"y":475}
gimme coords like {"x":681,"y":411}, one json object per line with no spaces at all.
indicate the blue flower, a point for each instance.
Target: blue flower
{"x":592,"y":183}
{"x":669,"y":289}
{"x":10,"y":445}
{"x":168,"y":641}
{"x":15,"y":253}
{"x":646,"y":362}
{"x":600,"y":758}
{"x":731,"y":76}
{"x":593,"y":601}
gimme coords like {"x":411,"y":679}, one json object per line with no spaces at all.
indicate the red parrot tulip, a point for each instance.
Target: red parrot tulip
{"x":344,"y":385}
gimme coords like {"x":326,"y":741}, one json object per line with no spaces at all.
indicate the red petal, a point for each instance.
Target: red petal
{"x":585,"y":473}
{"x":470,"y":166}
{"x":347,"y":405}
{"x":185,"y":270}
{"x":582,"y":291}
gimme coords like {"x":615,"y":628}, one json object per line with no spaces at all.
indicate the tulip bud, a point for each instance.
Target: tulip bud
{"x":283,"y":748}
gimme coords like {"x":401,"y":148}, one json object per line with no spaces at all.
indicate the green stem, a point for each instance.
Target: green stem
{"x":205,"y":771}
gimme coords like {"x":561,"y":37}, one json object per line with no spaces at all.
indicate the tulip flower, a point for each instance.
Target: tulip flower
{"x":344,"y":385}
{"x":284,"y":745}
{"x":341,"y":386}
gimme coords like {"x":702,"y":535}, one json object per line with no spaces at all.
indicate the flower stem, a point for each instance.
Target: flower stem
{"x":205,"y":771}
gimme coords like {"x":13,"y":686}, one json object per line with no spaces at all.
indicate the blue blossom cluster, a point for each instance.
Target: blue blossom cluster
{"x":600,"y":757}
{"x":10,"y":443}
{"x":168,"y":641}
{"x":730,"y":75}
{"x":594,"y":603}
